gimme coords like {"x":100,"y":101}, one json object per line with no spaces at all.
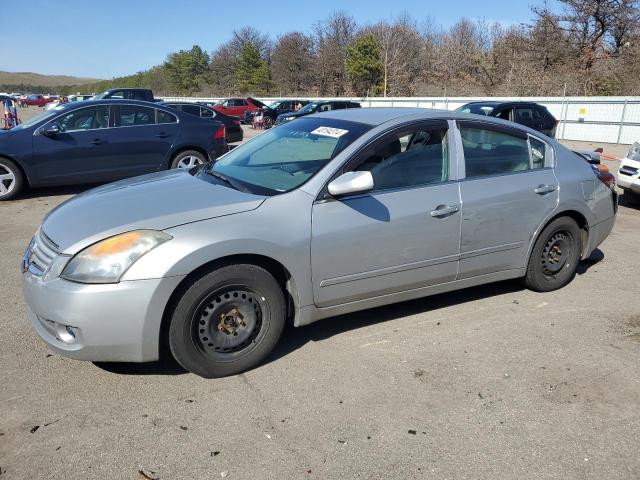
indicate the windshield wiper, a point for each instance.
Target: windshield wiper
{"x":227,"y":181}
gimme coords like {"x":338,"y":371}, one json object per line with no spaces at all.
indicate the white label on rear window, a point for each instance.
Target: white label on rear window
{"x":329,"y":132}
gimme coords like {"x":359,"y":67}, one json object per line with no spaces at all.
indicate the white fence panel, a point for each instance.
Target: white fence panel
{"x":594,"y":119}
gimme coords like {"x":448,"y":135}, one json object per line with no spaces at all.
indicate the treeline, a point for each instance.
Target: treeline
{"x":591,"y":46}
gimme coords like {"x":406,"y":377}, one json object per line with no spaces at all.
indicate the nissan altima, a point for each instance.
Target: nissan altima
{"x":332,"y":213}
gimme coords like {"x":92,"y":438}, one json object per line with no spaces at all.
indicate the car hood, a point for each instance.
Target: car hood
{"x":157,"y":201}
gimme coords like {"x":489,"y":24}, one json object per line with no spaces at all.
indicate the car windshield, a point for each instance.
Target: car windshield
{"x":283,"y":158}
{"x":308,"y":108}
{"x":274,"y":105}
{"x":39,"y":117}
{"x":477,"y":108}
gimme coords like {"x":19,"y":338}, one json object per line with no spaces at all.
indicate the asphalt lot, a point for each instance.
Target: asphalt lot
{"x":493,"y":382}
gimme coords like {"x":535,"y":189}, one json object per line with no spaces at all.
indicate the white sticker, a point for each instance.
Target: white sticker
{"x":329,"y":132}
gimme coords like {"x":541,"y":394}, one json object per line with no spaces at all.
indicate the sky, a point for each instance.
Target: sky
{"x":110,"y":38}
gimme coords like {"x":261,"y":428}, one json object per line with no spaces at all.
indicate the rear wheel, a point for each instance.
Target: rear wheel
{"x":188,"y":159}
{"x":11,"y":179}
{"x":227,"y":321}
{"x":555,"y":256}
{"x":268,"y":122}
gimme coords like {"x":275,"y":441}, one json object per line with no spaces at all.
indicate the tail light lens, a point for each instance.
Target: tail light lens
{"x":220,"y":133}
{"x":557,"y":122}
{"x":604,"y":175}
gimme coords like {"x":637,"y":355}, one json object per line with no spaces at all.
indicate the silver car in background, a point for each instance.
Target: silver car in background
{"x":329,"y":214}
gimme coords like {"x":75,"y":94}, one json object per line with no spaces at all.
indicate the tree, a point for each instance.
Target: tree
{"x":363,"y":65}
{"x":185,"y":69}
{"x":332,"y":37}
{"x":252,"y":71}
{"x":292,"y":64}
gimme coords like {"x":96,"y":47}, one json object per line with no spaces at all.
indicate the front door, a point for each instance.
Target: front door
{"x":509,"y":190}
{"x":81,"y":152}
{"x":402,"y":235}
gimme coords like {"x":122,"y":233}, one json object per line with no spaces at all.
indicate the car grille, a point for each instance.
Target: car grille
{"x":43,"y":252}
{"x":630,"y":171}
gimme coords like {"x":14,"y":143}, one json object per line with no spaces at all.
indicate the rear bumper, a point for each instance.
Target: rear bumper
{"x":597,"y":234}
{"x":112,"y":323}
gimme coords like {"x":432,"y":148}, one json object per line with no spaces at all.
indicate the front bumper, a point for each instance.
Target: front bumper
{"x":110,"y":323}
{"x":629,"y":175}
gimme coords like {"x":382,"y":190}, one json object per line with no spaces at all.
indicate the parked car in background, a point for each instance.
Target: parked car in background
{"x":270,"y":112}
{"x":143,"y":94}
{"x":528,"y":114}
{"x":103,"y":140}
{"x":629,"y":172}
{"x":237,"y":107}
{"x":231,"y":124}
{"x":36,"y":100}
{"x":315,"y":107}
{"x":80,"y":97}
{"x":214,"y":261}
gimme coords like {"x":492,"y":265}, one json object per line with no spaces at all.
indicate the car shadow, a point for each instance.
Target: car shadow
{"x":629,"y":200}
{"x":165,"y":366}
{"x":295,"y":338}
{"x":596,"y":257}
{"x":43,"y":192}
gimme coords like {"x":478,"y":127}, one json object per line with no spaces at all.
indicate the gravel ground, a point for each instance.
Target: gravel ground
{"x":493,"y":382}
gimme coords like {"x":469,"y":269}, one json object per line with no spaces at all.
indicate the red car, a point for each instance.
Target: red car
{"x":37,"y":100}
{"x":238,"y":106}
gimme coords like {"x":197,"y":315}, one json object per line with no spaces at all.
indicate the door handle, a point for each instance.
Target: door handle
{"x":162,"y":135}
{"x":444,"y":210}
{"x":97,"y":141}
{"x":544,"y":189}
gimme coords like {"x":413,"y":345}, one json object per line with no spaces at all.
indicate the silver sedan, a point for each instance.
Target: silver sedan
{"x":329,"y":214}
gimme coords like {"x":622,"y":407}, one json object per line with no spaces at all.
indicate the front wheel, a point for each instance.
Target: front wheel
{"x":188,"y":159}
{"x":555,"y":256}
{"x":227,"y":321}
{"x":268,"y":122}
{"x":11,"y":179}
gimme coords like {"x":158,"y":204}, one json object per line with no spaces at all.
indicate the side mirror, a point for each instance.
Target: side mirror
{"x":351,"y":182}
{"x":52,"y":130}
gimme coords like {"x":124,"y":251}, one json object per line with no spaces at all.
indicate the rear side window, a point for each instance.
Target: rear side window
{"x":192,"y":109}
{"x":166,"y":117}
{"x":131,"y":115}
{"x":206,"y":113}
{"x":325,"y":107}
{"x":138,"y":95}
{"x":540,"y":153}
{"x":524,"y":115}
{"x":490,"y":152}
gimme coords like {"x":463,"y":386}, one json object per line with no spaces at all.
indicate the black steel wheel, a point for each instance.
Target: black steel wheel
{"x":555,"y":256}
{"x":227,"y":321}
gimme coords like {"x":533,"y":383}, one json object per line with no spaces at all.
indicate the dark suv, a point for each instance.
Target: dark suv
{"x":529,"y":114}
{"x":315,"y":107}
{"x":143,"y":94}
{"x":274,"y":109}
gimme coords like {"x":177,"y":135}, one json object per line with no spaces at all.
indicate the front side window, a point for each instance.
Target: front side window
{"x":131,"y":115}
{"x":117,"y":94}
{"x":409,"y":159}
{"x":90,"y":118}
{"x":492,"y":152}
{"x":284,"y":158}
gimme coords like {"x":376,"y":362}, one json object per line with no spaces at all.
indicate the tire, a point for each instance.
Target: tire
{"x":268,"y":122}
{"x":227,"y":321}
{"x":11,"y":179}
{"x":188,"y":159}
{"x":555,"y":256}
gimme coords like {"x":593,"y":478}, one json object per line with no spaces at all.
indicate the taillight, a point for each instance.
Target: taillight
{"x":604,"y":175}
{"x":220,"y":133}
{"x":557,"y":122}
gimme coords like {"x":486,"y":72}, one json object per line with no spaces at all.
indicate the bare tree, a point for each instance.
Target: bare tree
{"x":332,"y":36}
{"x":292,"y":63}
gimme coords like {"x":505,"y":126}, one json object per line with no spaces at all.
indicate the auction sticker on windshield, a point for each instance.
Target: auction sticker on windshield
{"x":329,"y":132}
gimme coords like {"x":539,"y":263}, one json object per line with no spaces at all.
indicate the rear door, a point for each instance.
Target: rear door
{"x":142,"y":141}
{"x":509,"y":189}
{"x":82,"y":152}
{"x":400,"y":236}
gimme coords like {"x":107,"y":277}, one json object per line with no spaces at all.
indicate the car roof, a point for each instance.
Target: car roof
{"x":494,"y":103}
{"x":379,"y":115}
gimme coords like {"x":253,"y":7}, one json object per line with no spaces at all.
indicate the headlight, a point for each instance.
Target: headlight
{"x":108,"y":260}
{"x":288,"y":119}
